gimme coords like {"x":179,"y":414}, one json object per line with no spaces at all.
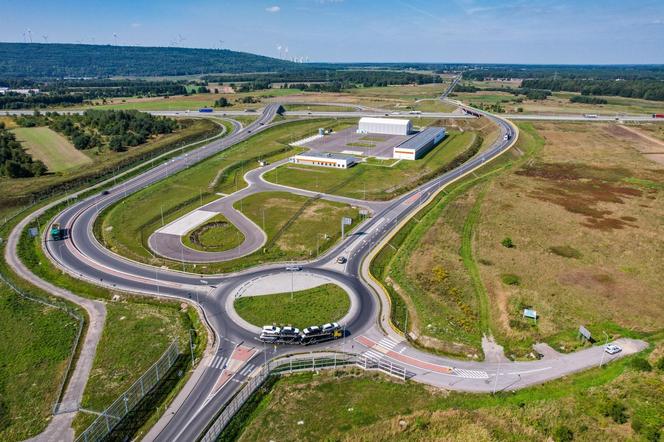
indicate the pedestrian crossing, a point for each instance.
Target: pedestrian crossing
{"x":471,"y":374}
{"x":218,"y":362}
{"x":247,"y":369}
{"x":383,"y":346}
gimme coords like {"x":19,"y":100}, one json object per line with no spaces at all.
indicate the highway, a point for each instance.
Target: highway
{"x":84,"y":257}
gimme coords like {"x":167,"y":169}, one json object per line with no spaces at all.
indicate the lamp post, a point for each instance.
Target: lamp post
{"x":601,"y":362}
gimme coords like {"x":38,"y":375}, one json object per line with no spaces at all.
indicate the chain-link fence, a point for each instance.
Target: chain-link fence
{"x":112,"y":416}
{"x":293,"y":364}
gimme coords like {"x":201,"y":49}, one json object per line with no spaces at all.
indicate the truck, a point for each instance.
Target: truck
{"x":322,"y":333}
{"x":206,"y":109}
{"x":280,"y":335}
{"x":57,"y":233}
{"x":658,"y":115}
{"x":591,"y":116}
{"x":271,"y":334}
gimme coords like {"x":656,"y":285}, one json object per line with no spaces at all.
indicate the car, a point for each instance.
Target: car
{"x":290,"y":331}
{"x":270,"y":330}
{"x":330,"y":326}
{"x":341,"y":260}
{"x":612,"y":349}
{"x":293,"y":268}
{"x":313,"y":330}
{"x":105,"y":192}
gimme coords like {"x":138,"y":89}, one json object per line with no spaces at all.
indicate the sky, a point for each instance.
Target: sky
{"x":472,"y":31}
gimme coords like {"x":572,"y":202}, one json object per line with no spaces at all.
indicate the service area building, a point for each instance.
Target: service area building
{"x":416,"y":146}
{"x":387,"y":126}
{"x":324,"y":159}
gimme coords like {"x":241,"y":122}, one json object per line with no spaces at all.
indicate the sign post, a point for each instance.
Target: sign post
{"x":345,"y":221}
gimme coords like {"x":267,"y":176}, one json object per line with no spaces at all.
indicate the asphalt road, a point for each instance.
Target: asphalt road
{"x":85,"y":258}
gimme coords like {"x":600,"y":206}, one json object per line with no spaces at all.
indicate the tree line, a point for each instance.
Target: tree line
{"x":14,"y":161}
{"x":646,"y":89}
{"x":115,"y":129}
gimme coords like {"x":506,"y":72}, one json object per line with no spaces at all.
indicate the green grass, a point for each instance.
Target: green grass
{"x":126,"y":226}
{"x":135,"y":336}
{"x":35,"y":344}
{"x":378,"y":183}
{"x":319,"y":305}
{"x":51,"y":148}
{"x":360,"y":144}
{"x":217,"y":234}
{"x":352,"y":405}
{"x":318,"y":108}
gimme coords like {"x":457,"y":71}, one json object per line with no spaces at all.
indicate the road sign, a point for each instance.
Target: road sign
{"x":33,"y":232}
{"x":346,"y":221}
{"x":528,"y":313}
{"x":584,"y":332}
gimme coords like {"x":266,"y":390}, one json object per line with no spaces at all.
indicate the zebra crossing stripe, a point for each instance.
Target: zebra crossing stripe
{"x":218,"y":362}
{"x":246,"y":370}
{"x":373,"y":355}
{"x":471,"y":374}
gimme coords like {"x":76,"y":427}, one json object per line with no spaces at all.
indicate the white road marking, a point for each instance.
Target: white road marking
{"x":471,"y":374}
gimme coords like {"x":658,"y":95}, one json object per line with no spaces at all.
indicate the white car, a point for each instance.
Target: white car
{"x":270,"y":330}
{"x":612,"y":349}
{"x":293,"y":268}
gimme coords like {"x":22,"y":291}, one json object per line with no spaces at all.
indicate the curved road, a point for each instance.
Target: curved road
{"x":82,"y":256}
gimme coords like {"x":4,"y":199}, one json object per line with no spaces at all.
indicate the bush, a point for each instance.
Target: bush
{"x":641,"y":364}
{"x":565,"y":251}
{"x":660,"y":363}
{"x":507,"y":242}
{"x":563,"y":434}
{"x":510,"y":279}
{"x":616,"y":411}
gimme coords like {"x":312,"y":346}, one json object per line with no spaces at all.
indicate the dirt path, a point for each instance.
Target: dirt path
{"x":656,"y":155}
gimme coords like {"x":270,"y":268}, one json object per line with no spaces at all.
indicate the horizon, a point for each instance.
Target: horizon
{"x":540,"y":32}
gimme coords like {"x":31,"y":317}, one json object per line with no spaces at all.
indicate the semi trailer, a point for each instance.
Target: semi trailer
{"x":311,"y":335}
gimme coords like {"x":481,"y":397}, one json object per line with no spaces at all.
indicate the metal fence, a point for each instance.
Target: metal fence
{"x":293,"y":364}
{"x":112,"y":416}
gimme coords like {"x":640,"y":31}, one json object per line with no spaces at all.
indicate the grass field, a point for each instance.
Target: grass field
{"x":318,"y":108}
{"x":135,"y":336}
{"x":15,"y":193}
{"x":619,"y":402}
{"x":581,"y":200}
{"x":127,"y":233}
{"x":316,"y":306}
{"x":378,"y":183}
{"x":215,"y":235}
{"x":35,"y":344}
{"x":51,"y":148}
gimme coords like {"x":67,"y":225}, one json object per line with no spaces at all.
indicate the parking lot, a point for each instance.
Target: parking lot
{"x":348,"y":141}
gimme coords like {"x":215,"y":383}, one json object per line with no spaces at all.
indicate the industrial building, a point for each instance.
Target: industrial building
{"x":416,"y":146}
{"x":387,"y":126}
{"x":324,"y":159}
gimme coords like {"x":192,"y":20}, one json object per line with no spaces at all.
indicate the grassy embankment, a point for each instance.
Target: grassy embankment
{"x":16,"y":193}
{"x":319,"y":305}
{"x":557,"y":272}
{"x":51,"y":148}
{"x":214,"y":235}
{"x":621,"y":401}
{"x":35,"y":345}
{"x":127,"y":234}
{"x":375,"y":182}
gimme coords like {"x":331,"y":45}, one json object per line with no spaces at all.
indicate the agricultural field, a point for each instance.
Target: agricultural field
{"x":35,"y":345}
{"x":15,"y":193}
{"x":584,"y":251}
{"x":51,"y":148}
{"x":380,"y":182}
{"x":318,"y":108}
{"x":127,"y":234}
{"x":135,"y":336}
{"x":319,"y":305}
{"x":620,"y":402}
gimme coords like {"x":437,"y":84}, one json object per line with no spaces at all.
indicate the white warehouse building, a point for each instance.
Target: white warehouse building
{"x":324,"y":159}
{"x":387,"y":126}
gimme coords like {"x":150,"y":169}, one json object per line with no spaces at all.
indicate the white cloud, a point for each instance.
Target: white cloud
{"x":273,"y":9}
{"x":135,"y":25}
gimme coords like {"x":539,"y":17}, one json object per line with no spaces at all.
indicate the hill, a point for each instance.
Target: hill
{"x":57,"y":60}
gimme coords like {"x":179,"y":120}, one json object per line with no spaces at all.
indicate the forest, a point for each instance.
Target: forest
{"x":14,"y":161}
{"x":646,"y":89}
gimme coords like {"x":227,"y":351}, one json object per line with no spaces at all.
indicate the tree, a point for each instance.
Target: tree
{"x":222,"y":102}
{"x":507,"y":242}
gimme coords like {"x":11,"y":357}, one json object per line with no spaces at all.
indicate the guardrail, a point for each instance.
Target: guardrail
{"x":111,"y":417}
{"x":295,"y":364}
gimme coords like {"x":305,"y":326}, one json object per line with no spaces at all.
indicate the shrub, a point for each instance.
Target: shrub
{"x":641,"y":364}
{"x":507,"y":242}
{"x":616,"y":411}
{"x":563,"y":434}
{"x":510,"y":279}
{"x":660,"y":363}
{"x":565,"y":251}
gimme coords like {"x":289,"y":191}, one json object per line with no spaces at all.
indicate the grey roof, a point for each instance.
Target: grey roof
{"x":327,"y":155}
{"x":421,"y":139}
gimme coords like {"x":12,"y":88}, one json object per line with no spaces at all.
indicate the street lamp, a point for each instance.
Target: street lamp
{"x":601,"y":362}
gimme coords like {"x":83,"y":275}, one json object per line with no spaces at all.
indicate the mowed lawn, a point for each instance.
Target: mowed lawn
{"x":51,"y":148}
{"x":372,"y":180}
{"x":316,"y":306}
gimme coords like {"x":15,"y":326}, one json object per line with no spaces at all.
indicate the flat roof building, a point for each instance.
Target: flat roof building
{"x":324,"y":159}
{"x":388,"y":126}
{"x":418,"y":145}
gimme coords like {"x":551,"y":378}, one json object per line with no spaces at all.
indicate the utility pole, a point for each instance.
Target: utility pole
{"x":162,"y":215}
{"x":495,"y":382}
{"x":292,"y":284}
{"x":601,"y":362}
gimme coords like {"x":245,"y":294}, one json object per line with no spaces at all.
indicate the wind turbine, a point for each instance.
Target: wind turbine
{"x":221,"y":44}
{"x":286,"y":52}
{"x":115,"y":37}
{"x":29,"y":34}
{"x":181,"y":39}
{"x":45,"y":37}
{"x":279,"y":50}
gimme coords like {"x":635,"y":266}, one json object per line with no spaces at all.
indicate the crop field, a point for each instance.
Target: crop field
{"x":51,"y":148}
{"x":582,"y":253}
{"x":620,"y":402}
{"x":319,"y":305}
{"x":135,"y":336}
{"x":371,"y":180}
{"x":15,"y":193}
{"x":35,"y":344}
{"x":201,"y":183}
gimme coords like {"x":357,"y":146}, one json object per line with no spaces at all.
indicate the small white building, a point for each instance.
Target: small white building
{"x":387,"y":126}
{"x":416,"y":146}
{"x":324,"y":159}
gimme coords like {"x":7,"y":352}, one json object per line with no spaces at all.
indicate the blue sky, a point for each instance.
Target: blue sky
{"x":510,"y":31}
